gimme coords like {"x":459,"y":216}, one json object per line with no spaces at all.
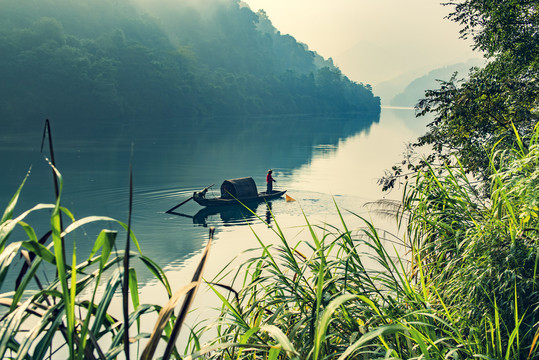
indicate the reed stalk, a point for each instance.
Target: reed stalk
{"x":66,"y":313}
{"x":467,"y":288}
{"x":466,"y":285}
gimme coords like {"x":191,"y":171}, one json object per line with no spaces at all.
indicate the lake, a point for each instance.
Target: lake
{"x":320,"y":160}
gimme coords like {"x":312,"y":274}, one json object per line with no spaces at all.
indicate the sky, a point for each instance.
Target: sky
{"x":372,"y":40}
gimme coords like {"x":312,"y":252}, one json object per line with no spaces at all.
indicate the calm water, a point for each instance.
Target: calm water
{"x":318,"y":159}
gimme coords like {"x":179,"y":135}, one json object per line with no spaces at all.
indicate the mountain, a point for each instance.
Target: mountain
{"x":388,"y":89}
{"x":415,"y":90}
{"x":126,"y":59}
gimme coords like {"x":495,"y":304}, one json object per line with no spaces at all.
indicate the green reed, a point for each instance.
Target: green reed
{"x":66,"y":313}
{"x":464,"y":284}
{"x":326,"y":303}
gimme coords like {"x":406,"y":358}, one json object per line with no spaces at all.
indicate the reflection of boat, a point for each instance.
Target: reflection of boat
{"x":236,"y":191}
{"x":231,"y":215}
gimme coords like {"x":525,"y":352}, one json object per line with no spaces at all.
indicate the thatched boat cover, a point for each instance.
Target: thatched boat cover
{"x":239,"y":188}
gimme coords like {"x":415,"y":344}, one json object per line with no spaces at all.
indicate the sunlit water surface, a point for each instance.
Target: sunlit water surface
{"x":319,"y":160}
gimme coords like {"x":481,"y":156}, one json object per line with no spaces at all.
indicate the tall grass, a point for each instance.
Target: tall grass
{"x":347,"y":297}
{"x":71,"y":314}
{"x":463,"y":284}
{"x":482,"y":254}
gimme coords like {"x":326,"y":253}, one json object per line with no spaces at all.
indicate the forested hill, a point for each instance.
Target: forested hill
{"x":82,"y":59}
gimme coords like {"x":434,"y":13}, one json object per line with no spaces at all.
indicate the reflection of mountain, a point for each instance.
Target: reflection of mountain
{"x":408,"y":118}
{"x":196,"y":153}
{"x":229,"y":147}
{"x":250,"y":146}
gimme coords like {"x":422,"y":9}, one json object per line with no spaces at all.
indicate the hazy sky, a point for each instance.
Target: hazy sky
{"x":372,"y":40}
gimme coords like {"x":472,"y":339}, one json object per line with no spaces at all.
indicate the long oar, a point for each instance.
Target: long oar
{"x":191,"y":198}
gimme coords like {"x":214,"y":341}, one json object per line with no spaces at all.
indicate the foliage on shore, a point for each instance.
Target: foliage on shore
{"x":473,"y":115}
{"x":79,"y":60}
{"x":464,"y":283}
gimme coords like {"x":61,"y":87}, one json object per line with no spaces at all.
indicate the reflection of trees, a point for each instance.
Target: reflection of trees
{"x":231,"y":146}
{"x":245,"y":146}
{"x":286,"y":142}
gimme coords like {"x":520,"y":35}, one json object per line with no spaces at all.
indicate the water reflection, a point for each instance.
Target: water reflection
{"x":230,"y":215}
{"x":176,"y":152}
{"x":172,"y":158}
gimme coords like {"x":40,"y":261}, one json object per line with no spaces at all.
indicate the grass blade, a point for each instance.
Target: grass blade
{"x":281,"y":339}
{"x":188,"y":298}
{"x":125,"y":284}
{"x":10,"y":327}
{"x":322,"y":327}
{"x":368,"y":337}
{"x":101,"y":311}
{"x":157,"y":272}
{"x":160,"y":324}
{"x":6,"y":257}
{"x":8,"y":212}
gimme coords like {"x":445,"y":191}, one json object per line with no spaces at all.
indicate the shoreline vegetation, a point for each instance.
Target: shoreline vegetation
{"x":466,"y":287}
{"x":127,"y":59}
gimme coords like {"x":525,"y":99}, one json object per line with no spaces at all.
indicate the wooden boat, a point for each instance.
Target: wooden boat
{"x":236,"y":191}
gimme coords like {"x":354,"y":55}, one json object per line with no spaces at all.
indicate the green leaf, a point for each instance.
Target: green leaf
{"x":40,"y":250}
{"x":157,"y":272}
{"x":108,"y":295}
{"x":10,"y":326}
{"x":325,"y":320}
{"x":133,"y":289}
{"x":51,"y":324}
{"x":6,"y":257}
{"x":116,"y":345}
{"x":89,"y":219}
{"x":105,"y":239}
{"x":7,"y":226}
{"x":282,"y":339}
{"x":29,"y":231}
{"x":8,"y":212}
{"x":24,"y":283}
{"x":368,"y":337}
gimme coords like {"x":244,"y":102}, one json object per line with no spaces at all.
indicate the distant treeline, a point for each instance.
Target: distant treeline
{"x":115,"y":59}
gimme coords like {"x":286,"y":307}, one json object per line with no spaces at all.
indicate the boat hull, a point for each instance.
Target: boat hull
{"x":262,"y":196}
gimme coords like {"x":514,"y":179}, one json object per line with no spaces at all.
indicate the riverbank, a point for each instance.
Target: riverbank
{"x":466,"y":285}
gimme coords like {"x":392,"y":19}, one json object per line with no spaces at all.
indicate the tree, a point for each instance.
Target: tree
{"x":471,"y":116}
{"x":95,"y":58}
{"x":500,"y":26}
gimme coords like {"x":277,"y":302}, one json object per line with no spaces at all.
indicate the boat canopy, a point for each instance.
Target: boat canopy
{"x":239,"y":188}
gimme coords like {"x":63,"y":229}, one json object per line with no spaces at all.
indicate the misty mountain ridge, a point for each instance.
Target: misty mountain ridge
{"x":124,"y":59}
{"x":407,"y":89}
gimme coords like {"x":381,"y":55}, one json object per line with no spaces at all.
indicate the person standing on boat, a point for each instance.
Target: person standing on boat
{"x":269,"y":180}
